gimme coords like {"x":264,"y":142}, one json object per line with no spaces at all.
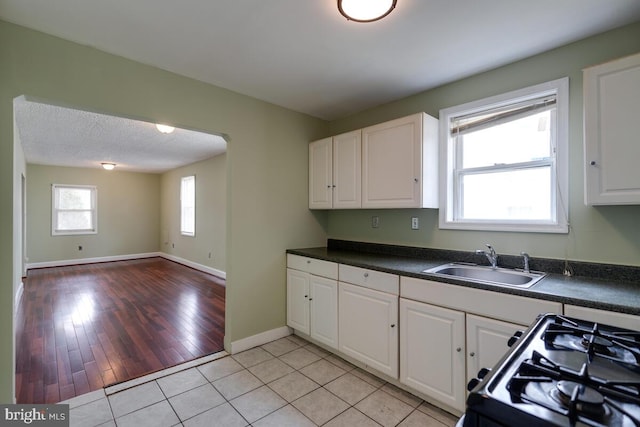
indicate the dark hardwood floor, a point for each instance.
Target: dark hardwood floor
{"x":84,"y":327}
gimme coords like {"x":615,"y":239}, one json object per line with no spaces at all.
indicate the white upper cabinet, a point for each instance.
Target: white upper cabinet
{"x":347,"y":161}
{"x":611,"y":129}
{"x":335,"y":172}
{"x":321,"y":174}
{"x":389,"y":165}
{"x":399,"y":163}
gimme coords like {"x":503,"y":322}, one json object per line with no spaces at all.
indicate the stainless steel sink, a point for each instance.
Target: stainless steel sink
{"x":486,"y":274}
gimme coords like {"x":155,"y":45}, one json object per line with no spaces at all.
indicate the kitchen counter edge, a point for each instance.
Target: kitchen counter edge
{"x":609,"y":295}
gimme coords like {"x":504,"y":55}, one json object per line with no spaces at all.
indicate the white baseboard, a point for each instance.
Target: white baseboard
{"x":64,"y":262}
{"x":195,"y":265}
{"x":259,"y":339}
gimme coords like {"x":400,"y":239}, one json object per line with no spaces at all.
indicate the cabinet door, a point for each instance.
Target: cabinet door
{"x":347,"y":165}
{"x":486,"y":342}
{"x":391,"y":164}
{"x":621,"y":320}
{"x":320,"y":174}
{"x":432,"y":351}
{"x":368,"y":327}
{"x":298,"y":300}
{"x":611,"y":105}
{"x":323,"y":302}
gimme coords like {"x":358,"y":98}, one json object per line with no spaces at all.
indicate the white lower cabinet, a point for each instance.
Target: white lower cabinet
{"x":312,"y":306}
{"x":368,"y":327}
{"x":323,"y":312}
{"x":436,"y":344}
{"x":612,"y":318}
{"x":432,"y":351}
{"x":486,"y":342}
{"x":448,"y":333}
{"x":298,"y":300}
{"x":312,"y":298}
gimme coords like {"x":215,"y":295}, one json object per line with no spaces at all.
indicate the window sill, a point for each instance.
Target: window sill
{"x":513,"y":227}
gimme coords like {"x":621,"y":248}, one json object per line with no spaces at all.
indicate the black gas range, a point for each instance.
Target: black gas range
{"x":561,"y":372}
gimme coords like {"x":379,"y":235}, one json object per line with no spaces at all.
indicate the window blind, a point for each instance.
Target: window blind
{"x":503,"y":114}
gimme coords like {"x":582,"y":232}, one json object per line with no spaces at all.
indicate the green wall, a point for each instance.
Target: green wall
{"x":207,"y":247}
{"x":266,"y":165}
{"x":128,"y":214}
{"x":138,"y":213}
{"x":607,"y":234}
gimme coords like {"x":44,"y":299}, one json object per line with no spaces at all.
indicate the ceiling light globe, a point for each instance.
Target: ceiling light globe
{"x":108,"y":166}
{"x":365,"y":10}
{"x":165,"y":128}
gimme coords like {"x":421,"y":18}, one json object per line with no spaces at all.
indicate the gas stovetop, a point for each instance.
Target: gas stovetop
{"x":562,"y":372}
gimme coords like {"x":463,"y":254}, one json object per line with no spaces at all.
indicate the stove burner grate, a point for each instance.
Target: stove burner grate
{"x":579,"y":398}
{"x":599,"y":344}
{"x":564,"y":333}
{"x":575,"y":394}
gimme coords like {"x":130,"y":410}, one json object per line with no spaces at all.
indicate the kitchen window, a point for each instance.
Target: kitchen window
{"x":504,"y":161}
{"x":74,"y":209}
{"x":188,"y":206}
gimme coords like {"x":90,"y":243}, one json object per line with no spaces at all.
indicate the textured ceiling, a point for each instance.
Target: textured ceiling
{"x":303,"y":55}
{"x":54,"y":135}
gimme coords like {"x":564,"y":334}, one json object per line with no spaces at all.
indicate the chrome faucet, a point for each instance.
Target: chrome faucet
{"x":525,"y":260}
{"x":492,"y":256}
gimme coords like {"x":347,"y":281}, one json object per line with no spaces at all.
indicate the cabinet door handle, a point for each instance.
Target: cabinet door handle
{"x":366,"y":274}
{"x":310,"y":299}
{"x":472,"y":354}
{"x":393,"y":326}
{"x":415,"y":179}
{"x":458,"y":350}
{"x":308,"y":261}
{"x":592,"y":162}
{"x":306,"y":296}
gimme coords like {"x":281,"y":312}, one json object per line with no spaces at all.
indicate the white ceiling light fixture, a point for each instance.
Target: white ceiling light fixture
{"x":165,"y":128}
{"x":365,"y":10}
{"x":108,"y":166}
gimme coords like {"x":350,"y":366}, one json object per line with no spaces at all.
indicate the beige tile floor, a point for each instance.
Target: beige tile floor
{"x":288,"y":382}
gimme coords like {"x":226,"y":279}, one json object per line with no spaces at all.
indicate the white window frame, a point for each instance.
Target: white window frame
{"x":55,"y":231}
{"x":449,"y":217}
{"x":184,"y":207}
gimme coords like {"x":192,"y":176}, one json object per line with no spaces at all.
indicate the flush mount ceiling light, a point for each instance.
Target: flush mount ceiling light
{"x":108,"y":166}
{"x":365,"y":10}
{"x":165,"y":128}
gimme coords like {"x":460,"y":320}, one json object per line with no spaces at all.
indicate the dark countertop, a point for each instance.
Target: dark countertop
{"x":594,"y":292}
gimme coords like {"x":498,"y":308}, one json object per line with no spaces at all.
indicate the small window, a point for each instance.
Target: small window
{"x":505,"y":161}
{"x":188,"y":206}
{"x":74,"y":209}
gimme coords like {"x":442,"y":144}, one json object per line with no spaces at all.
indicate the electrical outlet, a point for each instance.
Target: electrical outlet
{"x":414,"y":223}
{"x":375,"y":221}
